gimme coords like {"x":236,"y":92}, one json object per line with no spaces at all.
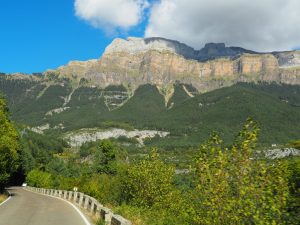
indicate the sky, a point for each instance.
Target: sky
{"x":38,"y":35}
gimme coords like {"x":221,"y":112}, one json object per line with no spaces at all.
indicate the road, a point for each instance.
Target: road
{"x":27,"y":208}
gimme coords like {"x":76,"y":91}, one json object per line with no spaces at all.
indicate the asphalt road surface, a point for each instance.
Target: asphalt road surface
{"x":27,"y":208}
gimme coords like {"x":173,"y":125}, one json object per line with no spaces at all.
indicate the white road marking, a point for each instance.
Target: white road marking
{"x":70,"y":203}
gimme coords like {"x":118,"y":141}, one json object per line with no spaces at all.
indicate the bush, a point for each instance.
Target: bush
{"x":148,"y":182}
{"x":9,"y":146}
{"x":104,"y":187}
{"x":37,"y":178}
{"x":234,"y":188}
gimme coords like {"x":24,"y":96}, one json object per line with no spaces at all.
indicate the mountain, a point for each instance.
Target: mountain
{"x":163,"y":62}
{"x":155,"y":84}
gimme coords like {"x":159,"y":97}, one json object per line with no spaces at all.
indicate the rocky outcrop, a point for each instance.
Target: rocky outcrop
{"x":281,"y":153}
{"x":163,"y":62}
{"x":138,"y":45}
{"x":89,"y":135}
{"x":73,"y":69}
{"x":288,"y":59}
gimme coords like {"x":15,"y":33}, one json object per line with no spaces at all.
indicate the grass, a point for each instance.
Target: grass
{"x":3,"y":197}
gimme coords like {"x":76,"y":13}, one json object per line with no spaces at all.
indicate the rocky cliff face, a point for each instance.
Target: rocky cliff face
{"x":163,"y":62}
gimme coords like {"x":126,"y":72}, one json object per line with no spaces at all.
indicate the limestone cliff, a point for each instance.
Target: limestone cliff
{"x":163,"y":62}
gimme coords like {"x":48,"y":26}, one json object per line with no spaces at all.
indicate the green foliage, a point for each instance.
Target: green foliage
{"x":37,"y":178}
{"x":179,"y":96}
{"x":105,"y":155}
{"x":57,"y":167}
{"x":225,"y":186}
{"x":104,"y":187}
{"x":294,"y":185}
{"x":38,"y":149}
{"x":9,"y":146}
{"x":234,"y":188}
{"x":295,"y":144}
{"x":275,"y":107}
{"x":100,"y":222}
{"x":148,"y":182}
{"x":105,"y":158}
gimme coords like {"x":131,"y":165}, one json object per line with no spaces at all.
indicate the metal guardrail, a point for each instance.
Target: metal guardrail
{"x":86,"y":202}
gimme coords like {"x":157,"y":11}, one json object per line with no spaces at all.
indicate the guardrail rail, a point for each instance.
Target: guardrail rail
{"x":86,"y":202}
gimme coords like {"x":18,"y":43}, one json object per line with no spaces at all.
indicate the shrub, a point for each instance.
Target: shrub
{"x":9,"y":146}
{"x":234,"y":188}
{"x":148,"y":182}
{"x":39,"y":178}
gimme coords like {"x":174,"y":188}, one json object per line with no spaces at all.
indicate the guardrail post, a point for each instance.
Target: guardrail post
{"x":60,"y":193}
{"x":75,"y":196}
{"x":86,"y":201}
{"x":93,"y":205}
{"x":119,"y":220}
{"x":106,"y":215}
{"x":70,"y":195}
{"x":65,"y":194}
{"x":80,"y":199}
{"x":98,"y":209}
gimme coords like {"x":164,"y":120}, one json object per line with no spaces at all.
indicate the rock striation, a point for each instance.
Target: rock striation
{"x":136,"y":61}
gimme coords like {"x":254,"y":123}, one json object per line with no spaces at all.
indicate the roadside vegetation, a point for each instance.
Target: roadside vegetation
{"x":3,"y":197}
{"x":9,"y":147}
{"x":226,"y":184}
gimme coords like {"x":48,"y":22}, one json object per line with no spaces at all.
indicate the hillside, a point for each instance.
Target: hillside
{"x":189,"y":116}
{"x":156,"y":84}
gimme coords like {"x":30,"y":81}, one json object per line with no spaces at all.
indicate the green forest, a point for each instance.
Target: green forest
{"x":190,"y":120}
{"x":225,"y":183}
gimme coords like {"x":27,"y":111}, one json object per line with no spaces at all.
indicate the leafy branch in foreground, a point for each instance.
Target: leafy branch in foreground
{"x":234,"y":188}
{"x":9,"y":146}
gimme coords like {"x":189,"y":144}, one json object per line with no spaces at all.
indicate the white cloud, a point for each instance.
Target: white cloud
{"x":261,"y":25}
{"x":111,"y":14}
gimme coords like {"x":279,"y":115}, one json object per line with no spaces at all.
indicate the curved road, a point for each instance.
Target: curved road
{"x":27,"y":208}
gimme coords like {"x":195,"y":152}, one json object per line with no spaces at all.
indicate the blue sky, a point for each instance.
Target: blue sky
{"x":40,"y":34}
{"x":37,"y":35}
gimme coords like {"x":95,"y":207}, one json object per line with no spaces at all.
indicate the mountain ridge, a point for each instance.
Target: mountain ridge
{"x":151,"y":87}
{"x":163,"y":62}
{"x":136,"y":61}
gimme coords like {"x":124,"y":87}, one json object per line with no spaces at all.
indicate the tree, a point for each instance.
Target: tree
{"x":105,"y":158}
{"x":148,"y":182}
{"x":37,"y":178}
{"x":234,"y":187}
{"x":9,"y":146}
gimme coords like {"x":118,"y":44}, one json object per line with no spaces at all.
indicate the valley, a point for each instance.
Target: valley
{"x":189,"y":116}
{"x":135,"y":128}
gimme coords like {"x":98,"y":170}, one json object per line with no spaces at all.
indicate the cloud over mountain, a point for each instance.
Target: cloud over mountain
{"x":262,"y":25}
{"x":111,"y":14}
